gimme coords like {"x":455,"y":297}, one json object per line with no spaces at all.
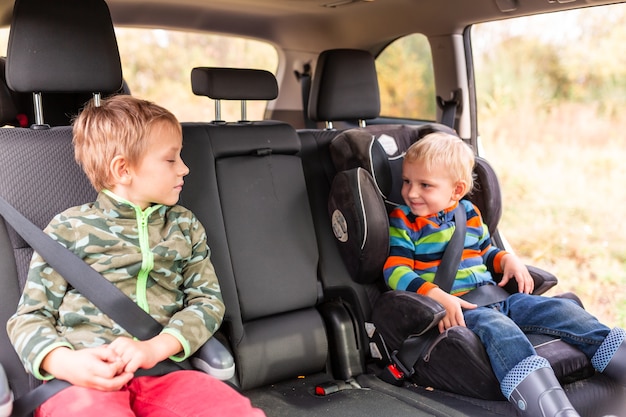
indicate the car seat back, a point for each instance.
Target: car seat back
{"x":38,"y":174}
{"x":247,"y":187}
{"x":344,"y":93}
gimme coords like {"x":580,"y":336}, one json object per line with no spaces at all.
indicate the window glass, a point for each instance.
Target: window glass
{"x":551,"y":90}
{"x":157,"y":65}
{"x":406,"y":79}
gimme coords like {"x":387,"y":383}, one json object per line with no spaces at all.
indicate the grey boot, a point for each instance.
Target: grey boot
{"x":610,"y":358}
{"x":539,"y":393}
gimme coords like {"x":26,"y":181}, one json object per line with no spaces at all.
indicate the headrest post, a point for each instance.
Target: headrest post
{"x":329,"y":125}
{"x":244,"y":111}
{"x":218,"y":110}
{"x":96,"y":99}
{"x":38,"y":107}
{"x":361,"y":122}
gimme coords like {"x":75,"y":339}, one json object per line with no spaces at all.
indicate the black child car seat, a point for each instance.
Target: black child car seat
{"x":367,"y":186}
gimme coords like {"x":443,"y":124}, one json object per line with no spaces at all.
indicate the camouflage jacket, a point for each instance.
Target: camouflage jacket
{"x":158,"y":257}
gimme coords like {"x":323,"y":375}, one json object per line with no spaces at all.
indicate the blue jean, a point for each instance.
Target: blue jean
{"x":501,"y":328}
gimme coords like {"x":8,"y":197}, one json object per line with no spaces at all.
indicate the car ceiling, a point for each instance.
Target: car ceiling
{"x":314,"y":25}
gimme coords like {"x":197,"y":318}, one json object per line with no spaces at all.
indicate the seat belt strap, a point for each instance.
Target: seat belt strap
{"x":83,"y":277}
{"x":304,"y":78}
{"x":28,"y":402}
{"x":449,"y":108}
{"x":485,"y":295}
{"x":451,"y":259}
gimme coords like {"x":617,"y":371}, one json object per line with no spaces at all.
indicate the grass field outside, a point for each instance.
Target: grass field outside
{"x":563,"y":178}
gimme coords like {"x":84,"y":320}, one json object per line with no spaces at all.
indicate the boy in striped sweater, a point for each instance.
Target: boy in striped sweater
{"x":436,"y":175}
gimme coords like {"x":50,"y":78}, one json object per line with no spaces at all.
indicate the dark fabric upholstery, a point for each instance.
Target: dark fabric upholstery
{"x":457,"y":362}
{"x":247,"y":187}
{"x":486,"y":193}
{"x":41,"y":162}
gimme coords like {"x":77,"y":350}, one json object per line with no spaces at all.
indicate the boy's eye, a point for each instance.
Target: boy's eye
{"x":424,"y":185}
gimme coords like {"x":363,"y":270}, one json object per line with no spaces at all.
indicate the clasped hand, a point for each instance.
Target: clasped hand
{"x":109,"y":367}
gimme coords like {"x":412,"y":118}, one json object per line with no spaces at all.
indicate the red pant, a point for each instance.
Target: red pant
{"x":180,"y":394}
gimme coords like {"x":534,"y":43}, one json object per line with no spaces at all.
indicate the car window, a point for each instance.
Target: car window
{"x":406,"y":79}
{"x":157,"y":65}
{"x":550,"y":93}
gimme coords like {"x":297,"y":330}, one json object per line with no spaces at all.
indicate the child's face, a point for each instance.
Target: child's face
{"x":428,"y":192}
{"x":157,"y":178}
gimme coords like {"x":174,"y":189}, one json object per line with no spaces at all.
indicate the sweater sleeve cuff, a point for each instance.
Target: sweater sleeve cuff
{"x":37,"y":371}
{"x":426,"y":287}
{"x":497,"y":262}
{"x":186,"y":352}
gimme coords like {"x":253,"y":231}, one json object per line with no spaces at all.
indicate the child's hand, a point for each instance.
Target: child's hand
{"x":136,"y":354}
{"x":514,"y":268}
{"x":98,"y":368}
{"x":133,"y":354}
{"x":453,"y":306}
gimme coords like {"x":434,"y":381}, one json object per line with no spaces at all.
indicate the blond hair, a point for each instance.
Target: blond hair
{"x":440,"y":149}
{"x":119,"y":126}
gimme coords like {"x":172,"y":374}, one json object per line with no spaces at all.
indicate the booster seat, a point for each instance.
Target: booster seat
{"x":366,"y":188}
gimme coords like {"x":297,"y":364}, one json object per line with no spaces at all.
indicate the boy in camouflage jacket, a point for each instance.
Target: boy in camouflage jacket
{"x":154,"y":251}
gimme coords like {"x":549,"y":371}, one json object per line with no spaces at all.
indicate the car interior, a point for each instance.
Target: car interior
{"x":295,"y":205}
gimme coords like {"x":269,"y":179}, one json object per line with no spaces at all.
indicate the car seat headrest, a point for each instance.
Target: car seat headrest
{"x":63,"y":46}
{"x":234,"y":83}
{"x":380,"y":150}
{"x":344,"y":87}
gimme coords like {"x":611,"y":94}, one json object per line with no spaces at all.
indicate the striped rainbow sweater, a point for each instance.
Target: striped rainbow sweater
{"x":418,"y":244}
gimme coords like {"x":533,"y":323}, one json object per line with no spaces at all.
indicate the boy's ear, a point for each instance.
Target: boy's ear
{"x":460,"y":189}
{"x":119,"y":170}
